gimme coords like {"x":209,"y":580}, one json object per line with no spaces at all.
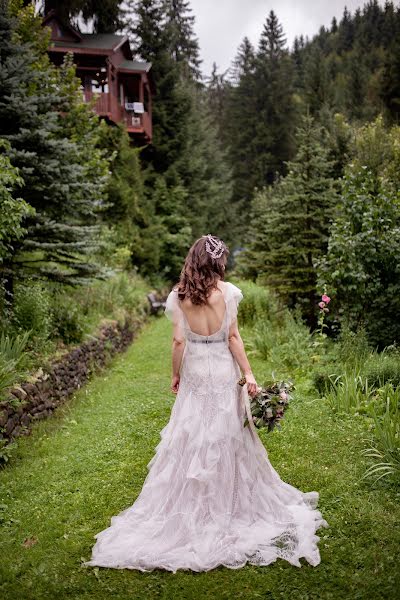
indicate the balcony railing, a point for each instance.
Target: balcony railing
{"x":140,"y":123}
{"x":101,"y":105}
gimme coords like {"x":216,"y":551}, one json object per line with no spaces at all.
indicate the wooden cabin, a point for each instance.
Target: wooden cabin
{"x":122,"y":86}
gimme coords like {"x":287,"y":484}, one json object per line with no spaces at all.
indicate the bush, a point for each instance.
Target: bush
{"x":67,"y":318}
{"x":259,"y":304}
{"x":352,"y":354}
{"x":117,"y":297}
{"x":278,"y":335}
{"x":383,"y":367}
{"x":32,"y":309}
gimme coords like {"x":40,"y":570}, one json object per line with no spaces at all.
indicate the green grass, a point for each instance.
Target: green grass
{"x":88,"y":462}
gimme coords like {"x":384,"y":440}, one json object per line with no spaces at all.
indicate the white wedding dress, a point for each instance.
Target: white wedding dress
{"x":211,"y":497}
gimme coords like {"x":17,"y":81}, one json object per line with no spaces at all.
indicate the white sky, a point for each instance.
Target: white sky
{"x":222,"y":24}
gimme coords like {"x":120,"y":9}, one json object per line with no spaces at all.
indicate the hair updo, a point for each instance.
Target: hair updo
{"x":201,"y":271}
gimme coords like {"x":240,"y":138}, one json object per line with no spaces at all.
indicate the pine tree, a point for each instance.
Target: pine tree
{"x":291,"y":223}
{"x":52,"y":136}
{"x":183,"y":43}
{"x":171,"y":102}
{"x":13,"y":210}
{"x":274,"y":104}
{"x":346,"y":32}
{"x":205,"y":173}
{"x":217,"y":90}
{"x":239,"y":124}
{"x":390,"y":90}
{"x":316,"y":81}
{"x":107,"y":16}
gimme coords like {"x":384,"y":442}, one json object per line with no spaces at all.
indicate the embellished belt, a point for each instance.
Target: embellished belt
{"x":206,"y":341}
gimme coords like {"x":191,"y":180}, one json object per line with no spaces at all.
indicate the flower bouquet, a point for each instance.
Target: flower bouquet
{"x":269,"y":405}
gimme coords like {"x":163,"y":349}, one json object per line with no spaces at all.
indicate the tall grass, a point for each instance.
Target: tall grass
{"x":348,"y":393}
{"x":384,"y":447}
{"x":278,"y":335}
{"x":12,"y":359}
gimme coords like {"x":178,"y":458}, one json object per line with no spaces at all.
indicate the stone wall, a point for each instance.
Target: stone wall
{"x":29,"y":402}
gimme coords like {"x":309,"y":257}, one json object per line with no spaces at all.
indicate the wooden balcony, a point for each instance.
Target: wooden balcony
{"x":138,"y":124}
{"x":102,"y":103}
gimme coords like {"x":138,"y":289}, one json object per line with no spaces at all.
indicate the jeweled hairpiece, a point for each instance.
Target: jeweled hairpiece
{"x":214,"y":247}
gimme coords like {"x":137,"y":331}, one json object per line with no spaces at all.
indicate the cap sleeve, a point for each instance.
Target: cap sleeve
{"x":173,"y":310}
{"x":233,"y":297}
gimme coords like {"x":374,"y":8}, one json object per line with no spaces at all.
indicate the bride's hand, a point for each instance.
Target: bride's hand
{"x":252,"y":386}
{"x":175,"y":384}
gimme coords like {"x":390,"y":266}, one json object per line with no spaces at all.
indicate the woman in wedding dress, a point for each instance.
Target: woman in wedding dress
{"x":211,"y":496}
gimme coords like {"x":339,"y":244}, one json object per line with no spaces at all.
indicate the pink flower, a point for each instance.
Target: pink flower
{"x":326,"y":299}
{"x":321,"y":304}
{"x":326,"y":310}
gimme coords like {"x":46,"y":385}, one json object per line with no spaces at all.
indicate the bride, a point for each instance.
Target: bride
{"x":211,"y":497}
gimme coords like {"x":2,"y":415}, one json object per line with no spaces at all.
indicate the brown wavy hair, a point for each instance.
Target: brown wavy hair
{"x":201,"y":272}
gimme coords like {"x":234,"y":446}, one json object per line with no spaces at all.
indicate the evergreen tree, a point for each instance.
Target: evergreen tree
{"x":346,"y":32}
{"x":13,"y":210}
{"x":127,"y":211}
{"x":52,"y":136}
{"x":290,"y":223}
{"x":217,"y":91}
{"x":316,"y":81}
{"x":107,"y":15}
{"x":171,"y":101}
{"x":184,"y":45}
{"x":390,"y":78}
{"x":240,"y":122}
{"x":205,"y":173}
{"x":274,"y":104}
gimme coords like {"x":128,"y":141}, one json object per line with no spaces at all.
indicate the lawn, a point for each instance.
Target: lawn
{"x":88,"y":462}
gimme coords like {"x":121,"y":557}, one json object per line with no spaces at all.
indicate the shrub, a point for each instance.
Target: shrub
{"x":32,"y":309}
{"x":383,"y":367}
{"x":67,"y":318}
{"x":258,"y":304}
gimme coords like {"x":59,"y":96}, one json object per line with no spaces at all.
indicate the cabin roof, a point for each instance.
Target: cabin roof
{"x":135,"y":65}
{"x":104,"y":41}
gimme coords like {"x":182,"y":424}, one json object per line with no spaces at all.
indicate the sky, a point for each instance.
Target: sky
{"x":222,"y":24}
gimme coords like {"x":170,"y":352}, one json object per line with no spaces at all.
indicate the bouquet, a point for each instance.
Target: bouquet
{"x":268,"y":406}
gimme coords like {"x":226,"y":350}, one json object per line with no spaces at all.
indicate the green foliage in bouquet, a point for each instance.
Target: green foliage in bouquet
{"x":269,"y":404}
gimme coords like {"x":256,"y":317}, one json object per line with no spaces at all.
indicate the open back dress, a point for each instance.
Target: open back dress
{"x":211,"y":496}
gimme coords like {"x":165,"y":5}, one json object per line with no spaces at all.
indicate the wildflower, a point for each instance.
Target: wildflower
{"x":326,"y":299}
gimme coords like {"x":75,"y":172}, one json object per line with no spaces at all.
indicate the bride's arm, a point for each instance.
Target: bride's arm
{"x":178,"y":346}
{"x":236,"y":346}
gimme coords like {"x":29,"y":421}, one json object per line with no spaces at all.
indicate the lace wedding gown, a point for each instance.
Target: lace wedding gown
{"x":211,"y":497}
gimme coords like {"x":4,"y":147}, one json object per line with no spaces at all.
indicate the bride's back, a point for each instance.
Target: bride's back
{"x":206,"y":319}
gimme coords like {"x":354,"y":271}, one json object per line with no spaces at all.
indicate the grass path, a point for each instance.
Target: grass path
{"x":88,"y":462}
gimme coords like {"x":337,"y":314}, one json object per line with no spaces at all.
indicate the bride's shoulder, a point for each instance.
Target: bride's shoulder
{"x":231,"y":289}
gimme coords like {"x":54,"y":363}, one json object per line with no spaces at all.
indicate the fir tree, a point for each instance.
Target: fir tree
{"x":107,"y":16}
{"x":183,"y":43}
{"x":171,"y":101}
{"x":205,"y":173}
{"x":291,"y":223}
{"x":240,"y":122}
{"x":274,"y":104}
{"x":52,"y":136}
